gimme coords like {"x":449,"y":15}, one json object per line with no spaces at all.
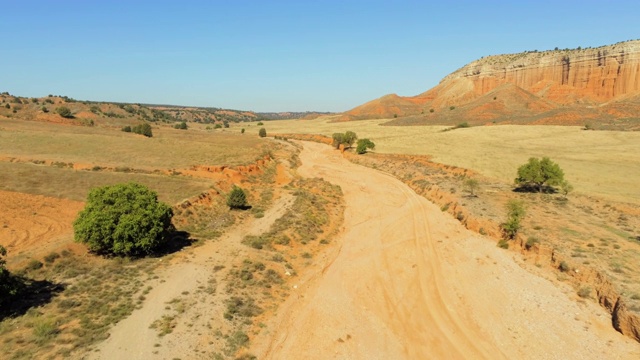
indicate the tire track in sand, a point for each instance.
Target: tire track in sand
{"x":399,"y":288}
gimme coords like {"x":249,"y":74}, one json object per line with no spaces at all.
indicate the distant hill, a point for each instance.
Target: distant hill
{"x":306,"y":115}
{"x":600,"y":86}
{"x":120,"y":114}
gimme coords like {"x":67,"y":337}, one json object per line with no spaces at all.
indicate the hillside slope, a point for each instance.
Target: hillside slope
{"x":557,"y":86}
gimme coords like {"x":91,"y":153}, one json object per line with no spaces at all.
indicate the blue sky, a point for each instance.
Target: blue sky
{"x":278,"y":55}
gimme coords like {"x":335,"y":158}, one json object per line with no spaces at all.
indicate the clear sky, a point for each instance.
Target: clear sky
{"x":274,"y":55}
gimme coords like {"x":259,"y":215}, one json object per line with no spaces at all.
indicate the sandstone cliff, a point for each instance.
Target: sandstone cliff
{"x":600,"y":84}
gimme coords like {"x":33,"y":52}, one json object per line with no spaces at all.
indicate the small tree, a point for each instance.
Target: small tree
{"x":124,"y":219}
{"x":363,"y":145}
{"x":338,"y":138}
{"x":347,"y":139}
{"x":565,"y":188}
{"x":471,"y":185}
{"x":182,"y":126}
{"x":515,"y":214}
{"x":64,"y":111}
{"x":539,"y":174}
{"x":237,"y":199}
{"x":242,"y":131}
{"x":262,"y":132}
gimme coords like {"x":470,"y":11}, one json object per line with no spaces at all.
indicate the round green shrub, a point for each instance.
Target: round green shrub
{"x":123,"y":219}
{"x":237,"y":199}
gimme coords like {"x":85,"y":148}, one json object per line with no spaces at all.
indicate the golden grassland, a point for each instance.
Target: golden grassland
{"x":168,"y":148}
{"x":28,"y":149}
{"x":603,"y":163}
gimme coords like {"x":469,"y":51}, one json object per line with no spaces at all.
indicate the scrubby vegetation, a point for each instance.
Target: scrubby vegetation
{"x":143,"y":129}
{"x":65,"y":112}
{"x":124,"y":219}
{"x":262,"y":132}
{"x":237,"y":199}
{"x":515,"y":215}
{"x":364,"y":145}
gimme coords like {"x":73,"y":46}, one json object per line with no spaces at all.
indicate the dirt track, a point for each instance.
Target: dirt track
{"x":409,"y":282}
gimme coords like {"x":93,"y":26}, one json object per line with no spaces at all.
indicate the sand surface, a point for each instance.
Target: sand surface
{"x":410,"y":282}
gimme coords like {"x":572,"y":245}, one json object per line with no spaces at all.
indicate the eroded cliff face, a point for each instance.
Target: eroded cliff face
{"x":565,"y":76}
{"x":569,"y":87}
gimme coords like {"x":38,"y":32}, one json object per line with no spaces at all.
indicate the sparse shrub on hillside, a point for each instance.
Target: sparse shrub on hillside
{"x":124,"y":219}
{"x":8,"y":106}
{"x":48,"y":101}
{"x":44,"y":109}
{"x":34,"y":100}
{"x":363,"y":145}
{"x":515,"y":214}
{"x":395,"y":116}
{"x":471,"y":185}
{"x":143,"y":129}
{"x":65,"y":112}
{"x":565,"y":188}
{"x":262,"y":132}
{"x":452,"y":107}
{"x":95,"y":109}
{"x":217,"y":126}
{"x":242,"y":131}
{"x":237,"y":199}
{"x":539,"y":175}
{"x":181,"y":126}
{"x":260,"y":123}
{"x":226,"y":124}
{"x":126,"y":128}
{"x":431,"y":110}
{"x":462,"y":125}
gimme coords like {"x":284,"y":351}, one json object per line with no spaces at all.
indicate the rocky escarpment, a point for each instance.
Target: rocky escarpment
{"x":542,"y":87}
{"x":595,"y":74}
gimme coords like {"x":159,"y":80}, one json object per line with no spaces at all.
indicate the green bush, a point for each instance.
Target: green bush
{"x":126,"y":128}
{"x":44,"y":109}
{"x":515,"y":214}
{"x":262,"y":132}
{"x":539,"y":174}
{"x":65,"y":112}
{"x":124,"y":219}
{"x":181,"y":126}
{"x":260,"y":123}
{"x":217,"y":126}
{"x":242,"y":131}
{"x":143,"y":129}
{"x":237,"y":199}
{"x":363,"y":145}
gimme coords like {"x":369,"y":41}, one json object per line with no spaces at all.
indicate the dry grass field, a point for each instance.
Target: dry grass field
{"x":167,"y":149}
{"x":604,"y":163}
